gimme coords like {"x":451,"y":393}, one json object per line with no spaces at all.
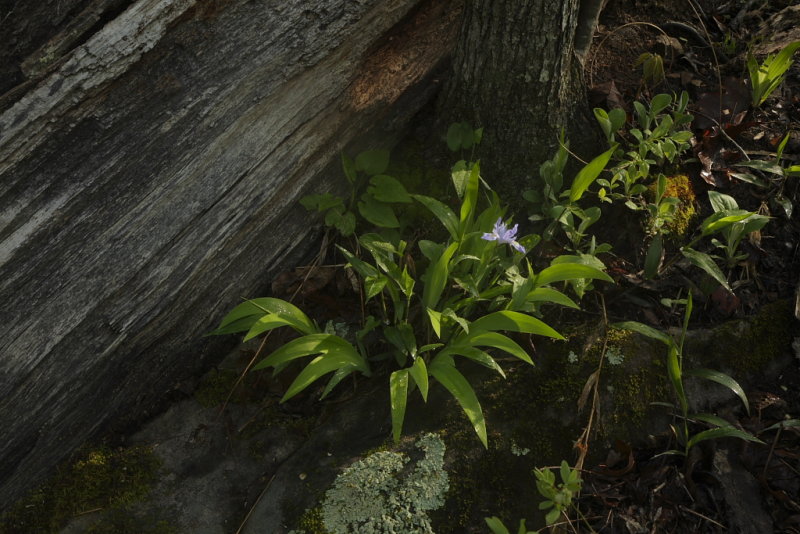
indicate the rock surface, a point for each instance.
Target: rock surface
{"x":149,"y":179}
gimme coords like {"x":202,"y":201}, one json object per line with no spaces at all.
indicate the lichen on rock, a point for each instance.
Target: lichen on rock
{"x":381,"y":495}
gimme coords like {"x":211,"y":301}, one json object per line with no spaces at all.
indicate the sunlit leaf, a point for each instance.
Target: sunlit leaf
{"x":511,"y":321}
{"x":645,"y":330}
{"x":721,"y":432}
{"x":419,"y":372}
{"x":588,"y":174}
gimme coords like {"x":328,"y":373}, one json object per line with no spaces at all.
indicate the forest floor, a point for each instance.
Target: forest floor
{"x":704,"y":46}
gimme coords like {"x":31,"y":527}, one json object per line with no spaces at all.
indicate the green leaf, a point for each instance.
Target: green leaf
{"x":569,"y":271}
{"x":387,"y":189}
{"x":459,"y":175}
{"x":705,"y":262}
{"x":788,"y":423}
{"x":336,"y":354}
{"x":437,"y":274}
{"x":653,"y":259}
{"x":470,"y":199}
{"x":349,"y":168}
{"x":512,"y":321}
{"x":473,"y":353}
{"x":436,"y":321}
{"x":419,"y":372}
{"x":364,"y":269}
{"x":500,"y":342}
{"x":377,"y":212}
{"x":338,"y":376}
{"x":645,"y":330}
{"x":711,"y":419}
{"x":321,"y":202}
{"x":546,"y":294}
{"x":314,"y":344}
{"x":659,"y":103}
{"x":675,"y":376}
{"x":278,"y":310}
{"x":239,"y":325}
{"x":721,"y":220}
{"x":496,"y":526}
{"x":588,"y":174}
{"x":460,"y":135}
{"x":398,"y":393}
{"x":721,"y":432}
{"x":721,"y":202}
{"x":373,"y":161}
{"x":373,"y":285}
{"x":441,"y":212}
{"x":442,"y":369}
{"x":723,"y":379}
{"x":430,"y":249}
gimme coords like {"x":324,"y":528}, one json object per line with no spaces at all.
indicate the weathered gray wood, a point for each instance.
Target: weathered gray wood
{"x":151,"y":181}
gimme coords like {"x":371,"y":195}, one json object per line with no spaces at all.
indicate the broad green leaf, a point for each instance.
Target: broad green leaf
{"x":725,"y":380}
{"x":546,"y":294}
{"x":373,"y":161}
{"x":266,"y":323}
{"x":568,"y":271}
{"x":373,"y":285}
{"x":388,"y":189}
{"x":430,"y":249}
{"x":239,"y":325}
{"x":721,"y":432}
{"x":338,"y":357}
{"x":588,"y":174}
{"x":377,"y":212}
{"x":459,"y":175}
{"x":473,"y":353}
{"x":458,"y":386}
{"x":285,"y":311}
{"x":512,"y":321}
{"x":721,"y":220}
{"x":705,"y":262}
{"x":459,"y":136}
{"x":496,"y":526}
{"x":653,"y":259}
{"x":437,"y":274}
{"x":659,"y":103}
{"x":314,"y":344}
{"x":499,"y":341}
{"x":321,"y":202}
{"x":441,"y":212}
{"x":436,"y":321}
{"x":721,"y":202}
{"x":711,"y":419}
{"x":419,"y":372}
{"x":337,"y":377}
{"x":363,"y":269}
{"x":645,"y":330}
{"x":398,"y":394}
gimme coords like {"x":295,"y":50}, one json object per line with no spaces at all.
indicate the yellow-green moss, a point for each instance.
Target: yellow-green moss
{"x":101,"y":479}
{"x":311,"y":521}
{"x":680,"y":187}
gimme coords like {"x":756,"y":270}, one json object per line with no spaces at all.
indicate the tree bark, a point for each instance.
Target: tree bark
{"x":516,"y":74}
{"x":149,"y":180}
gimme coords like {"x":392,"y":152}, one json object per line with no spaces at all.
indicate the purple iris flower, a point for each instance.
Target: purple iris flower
{"x":503,"y":234}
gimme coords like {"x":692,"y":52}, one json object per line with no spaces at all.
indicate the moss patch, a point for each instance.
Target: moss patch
{"x":101,"y":479}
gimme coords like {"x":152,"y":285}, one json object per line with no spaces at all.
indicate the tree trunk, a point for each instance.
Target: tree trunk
{"x":150,"y":167}
{"x":516,"y":74}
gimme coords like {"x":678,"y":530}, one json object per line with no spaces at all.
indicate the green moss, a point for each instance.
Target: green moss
{"x":215,"y":387}
{"x":748,"y":346}
{"x":680,"y":187}
{"x":101,"y":479}
{"x":311,"y":521}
